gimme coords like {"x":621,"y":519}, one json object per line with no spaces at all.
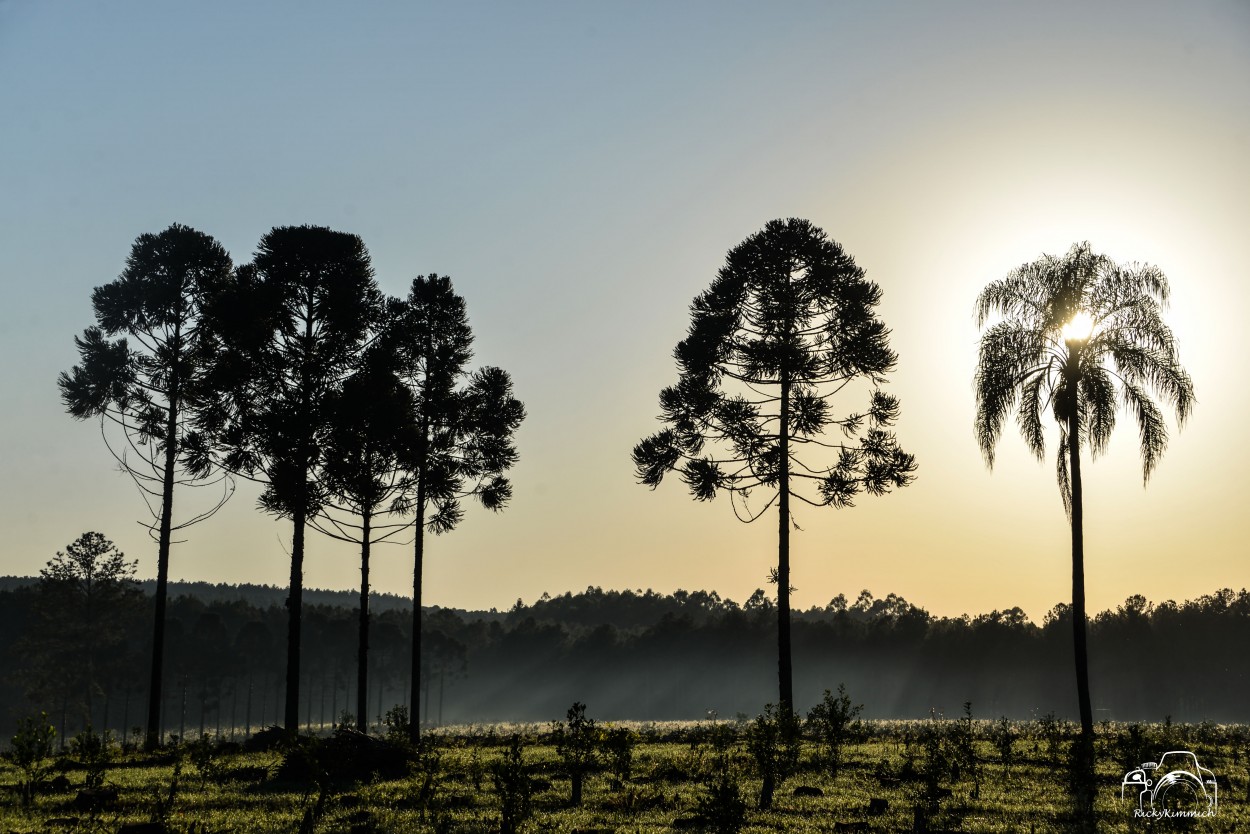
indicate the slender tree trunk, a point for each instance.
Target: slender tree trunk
{"x":785,"y":673}
{"x":294,"y":601}
{"x":414,"y":700}
{"x":1078,"y":583}
{"x":381,"y":691}
{"x":1083,"y":764}
{"x":362,"y":649}
{"x":162,"y":578}
{"x":162,"y":554}
{"x":414,"y":697}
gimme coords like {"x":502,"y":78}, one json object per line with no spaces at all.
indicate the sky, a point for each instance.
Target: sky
{"x":580,"y":170}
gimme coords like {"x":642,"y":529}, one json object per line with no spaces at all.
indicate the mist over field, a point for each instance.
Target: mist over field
{"x":644,"y":656}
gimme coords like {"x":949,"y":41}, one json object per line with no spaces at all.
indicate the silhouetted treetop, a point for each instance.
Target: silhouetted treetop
{"x":788,"y":323}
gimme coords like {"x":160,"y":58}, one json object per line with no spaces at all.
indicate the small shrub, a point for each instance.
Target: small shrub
{"x":203,"y":753}
{"x":30,"y":750}
{"x":1052,"y":731}
{"x":1133,"y":747}
{"x":427,"y":767}
{"x":1004,"y":735}
{"x":163,"y":806}
{"x":95,"y":752}
{"x":774,"y":740}
{"x":398,"y":724}
{"x":512,"y":783}
{"x":835,"y":723}
{"x":575,"y":745}
{"x":964,"y":752}
{"x":721,"y":807}
{"x":618,"y":748}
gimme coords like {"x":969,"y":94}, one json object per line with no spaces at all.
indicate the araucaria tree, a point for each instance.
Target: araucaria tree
{"x":788,"y":323}
{"x":144,"y":386}
{"x":464,"y":423}
{"x":1079,"y":336}
{"x":87,"y":599}
{"x":370,"y":428}
{"x":289,"y":330}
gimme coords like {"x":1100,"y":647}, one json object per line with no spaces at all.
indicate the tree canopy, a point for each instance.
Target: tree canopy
{"x":788,"y":323}
{"x":151,"y":389}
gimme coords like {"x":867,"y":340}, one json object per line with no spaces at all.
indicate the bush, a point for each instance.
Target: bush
{"x":397,"y":723}
{"x":1003,"y":736}
{"x":512,"y":783}
{"x":95,"y":752}
{"x":428,"y":765}
{"x":618,"y":748}
{"x":203,"y":753}
{"x":835,"y":723}
{"x":721,"y":806}
{"x":774,"y":741}
{"x":30,"y":750}
{"x":575,"y":745}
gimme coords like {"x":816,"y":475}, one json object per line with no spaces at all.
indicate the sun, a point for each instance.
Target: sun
{"x":1079,"y":328}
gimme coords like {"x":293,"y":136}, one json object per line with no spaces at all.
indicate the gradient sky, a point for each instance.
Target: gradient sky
{"x":580,"y":171}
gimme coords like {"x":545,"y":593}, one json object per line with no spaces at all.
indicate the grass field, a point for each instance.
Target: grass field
{"x":935,"y":775}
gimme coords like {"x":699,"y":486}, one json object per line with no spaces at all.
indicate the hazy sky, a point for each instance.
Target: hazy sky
{"x":580,"y":171}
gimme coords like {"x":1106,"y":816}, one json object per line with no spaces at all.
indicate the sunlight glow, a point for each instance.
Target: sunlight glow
{"x":1079,"y":328}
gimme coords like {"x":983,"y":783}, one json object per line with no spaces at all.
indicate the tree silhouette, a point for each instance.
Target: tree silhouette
{"x":146,"y":388}
{"x":788,"y":323}
{"x":1083,"y":336}
{"x":464,"y":424}
{"x":288,"y":330}
{"x":86,"y":596}
{"x":370,"y":426}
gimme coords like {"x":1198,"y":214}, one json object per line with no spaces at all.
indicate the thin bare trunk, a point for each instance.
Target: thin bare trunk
{"x":414,"y":697}
{"x":785,"y":672}
{"x":294,"y":603}
{"x":362,"y":648}
{"x":162,"y":574}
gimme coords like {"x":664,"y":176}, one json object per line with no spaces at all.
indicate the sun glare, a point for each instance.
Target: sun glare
{"x":1079,"y":328}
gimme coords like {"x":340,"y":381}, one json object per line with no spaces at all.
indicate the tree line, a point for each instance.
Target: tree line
{"x":636,"y":654}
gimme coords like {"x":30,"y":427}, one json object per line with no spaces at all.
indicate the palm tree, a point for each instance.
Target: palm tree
{"x":1084,"y":336}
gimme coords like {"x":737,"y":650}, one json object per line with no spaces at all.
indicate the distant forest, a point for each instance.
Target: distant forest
{"x":628,"y":655}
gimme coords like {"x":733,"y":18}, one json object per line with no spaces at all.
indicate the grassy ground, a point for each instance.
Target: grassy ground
{"x":933,"y":775}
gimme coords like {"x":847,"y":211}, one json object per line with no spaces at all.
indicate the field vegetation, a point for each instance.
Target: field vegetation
{"x":938,"y":774}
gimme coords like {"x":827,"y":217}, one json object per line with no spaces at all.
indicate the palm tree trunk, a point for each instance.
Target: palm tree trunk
{"x":362,"y":647}
{"x":785,"y":673}
{"x":1078,"y":583}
